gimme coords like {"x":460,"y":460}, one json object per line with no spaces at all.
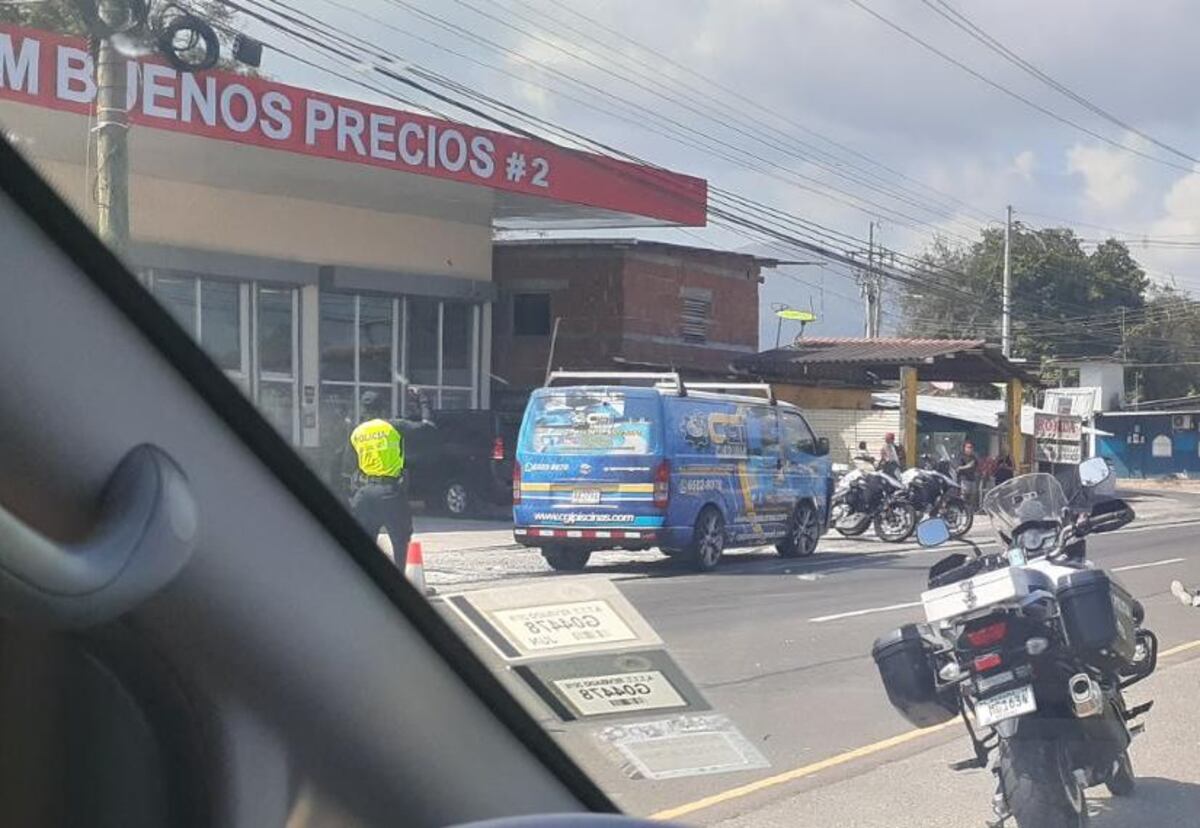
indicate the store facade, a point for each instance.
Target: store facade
{"x":319,"y":247}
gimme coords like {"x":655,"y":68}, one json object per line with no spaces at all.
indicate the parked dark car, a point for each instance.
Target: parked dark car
{"x":464,"y":463}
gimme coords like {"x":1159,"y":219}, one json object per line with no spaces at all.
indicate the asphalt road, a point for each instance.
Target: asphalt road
{"x":783,"y":648}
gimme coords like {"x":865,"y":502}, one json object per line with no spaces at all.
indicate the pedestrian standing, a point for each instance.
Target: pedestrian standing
{"x":968,"y":474}
{"x":381,"y":499}
{"x":891,"y":456}
{"x":1004,"y":469}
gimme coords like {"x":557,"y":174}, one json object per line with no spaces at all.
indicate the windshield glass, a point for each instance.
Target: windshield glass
{"x":580,"y":310}
{"x":592,"y":421}
{"x":1025,"y":499}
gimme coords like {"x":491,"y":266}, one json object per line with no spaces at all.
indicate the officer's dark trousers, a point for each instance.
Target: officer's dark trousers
{"x":385,"y":505}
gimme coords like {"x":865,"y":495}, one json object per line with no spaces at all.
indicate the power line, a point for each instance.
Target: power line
{"x":762,"y":109}
{"x":779,"y":220}
{"x":659,"y":80}
{"x":964,"y":23}
{"x":1014,"y":95}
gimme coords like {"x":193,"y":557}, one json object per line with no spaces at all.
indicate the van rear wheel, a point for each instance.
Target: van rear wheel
{"x":566,"y":559}
{"x":804,"y":531}
{"x":708,"y":540}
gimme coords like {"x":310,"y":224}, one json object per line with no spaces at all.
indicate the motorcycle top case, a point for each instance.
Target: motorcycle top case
{"x":1012,"y":583}
{"x":1098,"y":617}
{"x":906,"y":664}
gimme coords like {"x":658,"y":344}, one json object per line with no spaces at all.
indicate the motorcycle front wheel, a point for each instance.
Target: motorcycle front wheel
{"x":958,"y":516}
{"x":895,"y":522}
{"x":1041,"y":789}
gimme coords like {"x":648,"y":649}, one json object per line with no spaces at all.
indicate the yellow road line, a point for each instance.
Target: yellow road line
{"x":832,"y":761}
{"x":799,"y":773}
{"x":1191,"y":645}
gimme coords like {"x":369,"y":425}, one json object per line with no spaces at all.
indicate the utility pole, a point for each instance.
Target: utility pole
{"x":871,"y":288}
{"x":1124,"y":352}
{"x":112,"y":136}
{"x":1006,"y":302}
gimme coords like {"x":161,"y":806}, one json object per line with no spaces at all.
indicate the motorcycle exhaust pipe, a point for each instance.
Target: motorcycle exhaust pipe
{"x":1085,"y":695}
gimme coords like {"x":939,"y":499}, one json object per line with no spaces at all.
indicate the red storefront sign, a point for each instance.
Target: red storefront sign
{"x":50,"y":70}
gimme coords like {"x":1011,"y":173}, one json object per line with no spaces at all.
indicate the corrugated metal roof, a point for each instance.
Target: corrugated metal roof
{"x":894,"y":351}
{"x":869,"y":361}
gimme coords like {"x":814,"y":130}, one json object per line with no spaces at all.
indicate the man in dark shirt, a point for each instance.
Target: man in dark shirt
{"x":968,"y":474}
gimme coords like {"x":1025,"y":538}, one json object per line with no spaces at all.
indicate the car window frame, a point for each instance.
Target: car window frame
{"x":110,"y":276}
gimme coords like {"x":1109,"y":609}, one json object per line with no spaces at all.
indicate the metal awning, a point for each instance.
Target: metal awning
{"x":867,"y":362}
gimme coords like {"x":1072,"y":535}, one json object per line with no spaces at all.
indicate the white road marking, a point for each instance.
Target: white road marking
{"x":823,"y":618}
{"x":1167,"y":562}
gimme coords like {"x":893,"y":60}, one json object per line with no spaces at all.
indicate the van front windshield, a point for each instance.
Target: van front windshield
{"x":592,"y":421}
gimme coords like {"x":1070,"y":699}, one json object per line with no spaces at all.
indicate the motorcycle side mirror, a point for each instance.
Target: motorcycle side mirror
{"x":1093,"y":472}
{"x":1109,"y":516}
{"x":933,"y":532}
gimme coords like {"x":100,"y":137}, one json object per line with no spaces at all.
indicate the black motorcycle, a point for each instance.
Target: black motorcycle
{"x":934,"y":491}
{"x":866,"y":496}
{"x":1033,"y":649}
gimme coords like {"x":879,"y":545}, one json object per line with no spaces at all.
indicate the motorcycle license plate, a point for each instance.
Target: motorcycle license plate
{"x":585,"y":497}
{"x":1006,"y":705}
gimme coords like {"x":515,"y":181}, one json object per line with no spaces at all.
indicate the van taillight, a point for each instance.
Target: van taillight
{"x":662,"y":485}
{"x":516,"y":483}
{"x":498,"y":448}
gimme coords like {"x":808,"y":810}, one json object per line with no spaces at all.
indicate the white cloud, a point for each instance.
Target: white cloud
{"x":1023,"y":165}
{"x":1109,"y":176}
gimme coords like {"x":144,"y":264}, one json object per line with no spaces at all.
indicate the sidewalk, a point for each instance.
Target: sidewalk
{"x":1163,"y":485}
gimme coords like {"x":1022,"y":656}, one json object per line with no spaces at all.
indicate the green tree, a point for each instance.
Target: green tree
{"x":1054,"y":283}
{"x":1160,"y":346}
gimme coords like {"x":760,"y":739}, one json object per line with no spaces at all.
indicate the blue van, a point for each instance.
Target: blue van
{"x":690,"y":469}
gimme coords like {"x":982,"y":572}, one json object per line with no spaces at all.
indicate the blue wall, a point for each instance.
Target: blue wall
{"x":1137,"y":460}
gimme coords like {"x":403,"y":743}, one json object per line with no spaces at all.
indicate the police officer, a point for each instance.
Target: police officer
{"x":381,"y":499}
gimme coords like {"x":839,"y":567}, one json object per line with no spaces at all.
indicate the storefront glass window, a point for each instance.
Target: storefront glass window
{"x":337,"y":337}
{"x":275,"y":332}
{"x":221,"y":323}
{"x":455,"y":398}
{"x":178,"y":295}
{"x":375,"y":339}
{"x":275,"y":400}
{"x":456,"y":344}
{"x":422,"y":341}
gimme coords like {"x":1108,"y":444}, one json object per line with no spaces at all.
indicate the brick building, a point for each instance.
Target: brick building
{"x":621,"y":304}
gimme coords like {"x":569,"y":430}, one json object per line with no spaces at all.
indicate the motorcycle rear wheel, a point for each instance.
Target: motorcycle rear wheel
{"x":1041,"y":789}
{"x":895,"y":522}
{"x":848,"y":527}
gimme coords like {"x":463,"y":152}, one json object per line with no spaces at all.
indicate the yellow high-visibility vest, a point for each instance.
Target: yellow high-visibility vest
{"x":380,"y":448}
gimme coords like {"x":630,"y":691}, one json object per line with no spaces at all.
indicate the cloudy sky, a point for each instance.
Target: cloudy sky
{"x":818,"y":109}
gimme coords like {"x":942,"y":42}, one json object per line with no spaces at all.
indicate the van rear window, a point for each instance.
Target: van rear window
{"x":579,"y":421}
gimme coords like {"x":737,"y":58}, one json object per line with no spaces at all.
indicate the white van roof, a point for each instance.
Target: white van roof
{"x":667,"y":382}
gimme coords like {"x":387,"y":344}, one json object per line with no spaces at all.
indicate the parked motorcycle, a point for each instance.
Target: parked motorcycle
{"x":934,"y":491}
{"x":867,"y":495}
{"x":1034,"y":648}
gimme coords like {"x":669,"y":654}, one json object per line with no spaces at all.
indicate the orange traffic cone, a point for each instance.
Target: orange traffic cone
{"x":414,"y":568}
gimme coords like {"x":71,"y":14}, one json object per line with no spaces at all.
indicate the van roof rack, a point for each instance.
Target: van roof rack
{"x":738,"y":387}
{"x":667,"y":380}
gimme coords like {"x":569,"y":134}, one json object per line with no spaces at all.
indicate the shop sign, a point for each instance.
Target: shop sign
{"x":57,"y":72}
